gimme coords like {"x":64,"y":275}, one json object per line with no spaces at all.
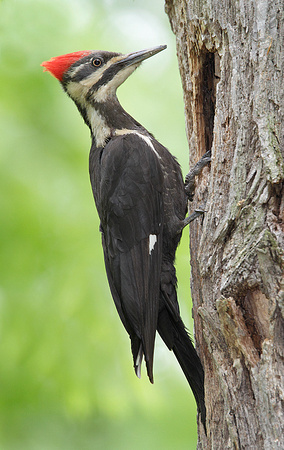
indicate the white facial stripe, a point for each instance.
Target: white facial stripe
{"x":96,"y":75}
{"x":108,"y":89}
{"x":147,"y":139}
{"x":76,"y":69}
{"x":77,"y":91}
{"x":99,"y":127}
{"x":152,"y":242}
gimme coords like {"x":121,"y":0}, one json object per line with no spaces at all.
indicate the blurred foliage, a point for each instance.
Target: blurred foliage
{"x":66,"y":371}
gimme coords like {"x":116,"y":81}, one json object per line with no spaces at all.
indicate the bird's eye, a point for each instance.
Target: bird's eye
{"x":97,"y":62}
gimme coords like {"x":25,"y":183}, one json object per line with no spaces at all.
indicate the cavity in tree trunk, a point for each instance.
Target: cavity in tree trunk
{"x":231,"y":64}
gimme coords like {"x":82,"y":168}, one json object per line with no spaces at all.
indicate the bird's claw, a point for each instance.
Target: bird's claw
{"x":198,"y":212}
{"x":194,"y":172}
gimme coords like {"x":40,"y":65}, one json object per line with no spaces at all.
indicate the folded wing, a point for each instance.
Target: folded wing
{"x":131,"y":206}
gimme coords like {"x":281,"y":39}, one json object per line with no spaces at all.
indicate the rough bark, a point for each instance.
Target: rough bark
{"x":231,"y":63}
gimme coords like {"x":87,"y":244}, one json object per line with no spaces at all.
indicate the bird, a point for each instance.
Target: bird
{"x":142,"y":202}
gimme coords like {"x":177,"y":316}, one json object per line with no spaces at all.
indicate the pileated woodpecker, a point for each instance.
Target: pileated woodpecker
{"x":142,"y":203}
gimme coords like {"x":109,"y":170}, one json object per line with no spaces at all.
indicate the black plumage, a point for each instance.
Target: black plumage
{"x":142,"y":203}
{"x":127,"y":183}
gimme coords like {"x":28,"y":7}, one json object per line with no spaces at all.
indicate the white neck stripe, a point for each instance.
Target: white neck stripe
{"x":147,"y":139}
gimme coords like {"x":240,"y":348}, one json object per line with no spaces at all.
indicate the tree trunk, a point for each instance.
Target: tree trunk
{"x":231,"y":64}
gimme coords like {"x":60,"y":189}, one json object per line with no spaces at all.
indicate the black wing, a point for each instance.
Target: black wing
{"x":130,"y":205}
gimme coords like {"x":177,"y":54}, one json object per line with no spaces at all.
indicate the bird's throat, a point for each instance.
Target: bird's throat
{"x":105,"y":119}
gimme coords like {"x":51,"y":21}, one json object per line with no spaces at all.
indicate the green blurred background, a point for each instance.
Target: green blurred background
{"x":66,"y":377}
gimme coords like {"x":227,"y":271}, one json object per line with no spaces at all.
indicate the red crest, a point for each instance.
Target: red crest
{"x":58,"y":65}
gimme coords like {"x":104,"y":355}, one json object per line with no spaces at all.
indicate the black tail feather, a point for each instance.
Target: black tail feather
{"x":176,"y":338}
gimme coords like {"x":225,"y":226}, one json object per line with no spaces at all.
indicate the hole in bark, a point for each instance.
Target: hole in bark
{"x":206,"y":74}
{"x":208,"y":89}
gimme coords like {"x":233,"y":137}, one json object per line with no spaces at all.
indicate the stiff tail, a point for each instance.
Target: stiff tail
{"x":176,"y":338}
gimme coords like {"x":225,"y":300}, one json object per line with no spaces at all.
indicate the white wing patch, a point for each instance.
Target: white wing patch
{"x":147,"y":139}
{"x":152,"y":242}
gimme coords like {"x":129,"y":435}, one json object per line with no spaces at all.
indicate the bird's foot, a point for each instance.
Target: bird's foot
{"x":194,"y":172}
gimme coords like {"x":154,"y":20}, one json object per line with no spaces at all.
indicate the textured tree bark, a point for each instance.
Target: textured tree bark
{"x":231,"y":63}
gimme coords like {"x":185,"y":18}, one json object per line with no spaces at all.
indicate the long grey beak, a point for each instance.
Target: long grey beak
{"x":137,"y":57}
